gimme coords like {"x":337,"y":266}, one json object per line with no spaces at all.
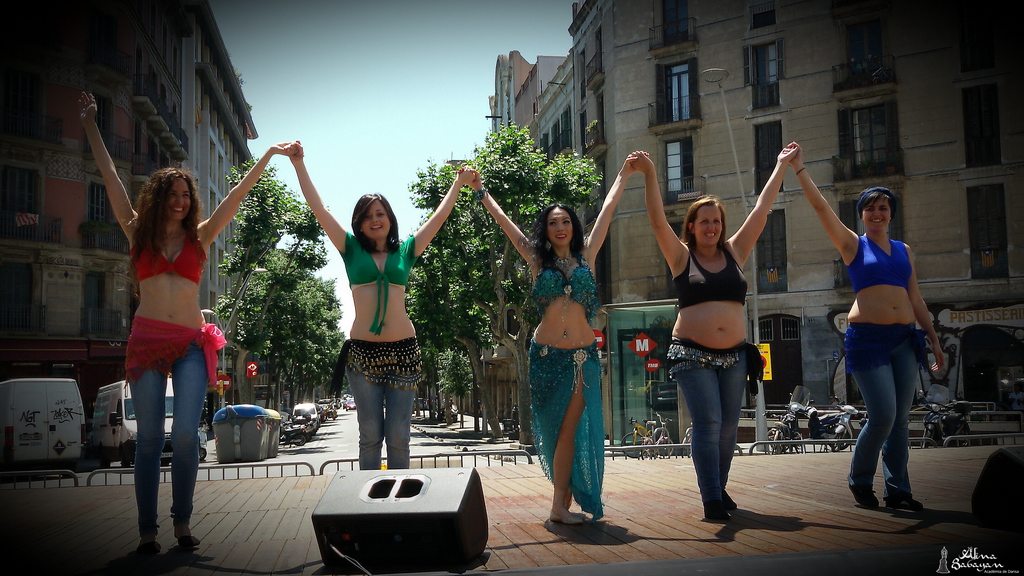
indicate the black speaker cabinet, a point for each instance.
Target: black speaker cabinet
{"x":996,"y":501}
{"x":424,"y":516}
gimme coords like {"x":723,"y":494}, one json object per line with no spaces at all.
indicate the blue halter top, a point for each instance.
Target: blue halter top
{"x":579,"y":287}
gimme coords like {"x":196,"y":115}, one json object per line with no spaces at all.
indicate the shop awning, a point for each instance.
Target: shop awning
{"x":107,"y":348}
{"x":43,"y":350}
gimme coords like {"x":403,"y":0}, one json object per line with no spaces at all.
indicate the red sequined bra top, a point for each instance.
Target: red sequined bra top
{"x":188,"y":264}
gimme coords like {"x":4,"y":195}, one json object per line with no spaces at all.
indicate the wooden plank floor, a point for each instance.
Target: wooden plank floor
{"x":788,"y":503}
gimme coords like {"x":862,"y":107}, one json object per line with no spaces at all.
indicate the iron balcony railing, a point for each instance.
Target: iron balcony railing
{"x":22,"y":317}
{"x":860,"y":73}
{"x":110,"y":57}
{"x":22,"y":226}
{"x":666,"y":111}
{"x":144,"y":87}
{"x":765,"y":95}
{"x":143,"y":165}
{"x":671,"y":33}
{"x":883,"y":162}
{"x":594,"y":67}
{"x":117,"y":146}
{"x":681,"y":190}
{"x":97,"y":321}
{"x":113,"y":240}
{"x":35,"y":126}
{"x":594,"y":135}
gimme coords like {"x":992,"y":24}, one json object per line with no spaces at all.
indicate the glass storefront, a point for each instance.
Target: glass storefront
{"x":637,"y":340}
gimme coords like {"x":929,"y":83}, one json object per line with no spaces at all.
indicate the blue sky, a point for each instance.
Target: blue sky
{"x":377,"y":90}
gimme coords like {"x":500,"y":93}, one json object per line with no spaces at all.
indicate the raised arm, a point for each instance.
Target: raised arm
{"x":335,"y":231}
{"x":225,"y":211}
{"x":744,"y":240}
{"x":674,"y":250}
{"x":593,"y":242}
{"x":921,"y":315}
{"x":426,"y":233}
{"x":513,"y":232}
{"x":119,"y":200}
{"x":844,"y":239}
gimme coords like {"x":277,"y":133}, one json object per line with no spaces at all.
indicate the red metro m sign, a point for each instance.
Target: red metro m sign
{"x":252,"y":369}
{"x":642,"y":345}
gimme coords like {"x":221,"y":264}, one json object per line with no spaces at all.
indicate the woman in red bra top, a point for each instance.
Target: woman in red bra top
{"x":169,"y":335}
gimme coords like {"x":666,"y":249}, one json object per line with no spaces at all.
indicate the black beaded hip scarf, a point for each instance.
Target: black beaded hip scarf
{"x":395,"y":364}
{"x":689,"y":354}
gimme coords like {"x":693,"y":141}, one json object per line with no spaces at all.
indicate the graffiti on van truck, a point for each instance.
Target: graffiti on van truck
{"x":62,"y":415}
{"x":29,"y":417}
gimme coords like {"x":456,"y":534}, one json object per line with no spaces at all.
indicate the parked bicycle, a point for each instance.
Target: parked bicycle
{"x":652,"y":437}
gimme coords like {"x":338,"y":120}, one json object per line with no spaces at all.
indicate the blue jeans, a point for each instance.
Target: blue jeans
{"x":888,"y":393}
{"x":189,"y":380}
{"x":377,"y":425}
{"x":714,"y":397}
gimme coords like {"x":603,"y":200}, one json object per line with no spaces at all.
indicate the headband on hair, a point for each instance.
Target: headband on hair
{"x":875,"y":191}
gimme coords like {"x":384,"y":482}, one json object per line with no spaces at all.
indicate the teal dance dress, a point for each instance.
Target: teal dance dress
{"x":554,"y":374}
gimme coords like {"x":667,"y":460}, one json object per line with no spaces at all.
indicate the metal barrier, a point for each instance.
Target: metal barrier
{"x":968,"y":438}
{"x":802,"y":444}
{"x":38,"y":476}
{"x":680,"y":450}
{"x":488,"y":456}
{"x":209,"y":471}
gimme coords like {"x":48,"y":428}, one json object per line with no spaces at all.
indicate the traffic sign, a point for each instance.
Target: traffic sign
{"x":652,"y":365}
{"x":252,"y":369}
{"x":599,"y":338}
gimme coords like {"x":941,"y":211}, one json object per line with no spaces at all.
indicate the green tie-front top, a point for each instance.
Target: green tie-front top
{"x":362,"y":269}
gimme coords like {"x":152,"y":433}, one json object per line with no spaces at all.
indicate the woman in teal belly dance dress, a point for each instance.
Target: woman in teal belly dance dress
{"x":565,"y":374}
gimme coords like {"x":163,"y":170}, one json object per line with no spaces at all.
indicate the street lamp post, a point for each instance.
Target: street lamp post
{"x":716,"y":76}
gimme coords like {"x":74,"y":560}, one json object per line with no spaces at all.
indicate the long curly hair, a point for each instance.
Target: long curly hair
{"x":691,"y":216}
{"x":360,"y":212}
{"x":151,"y":221}
{"x":542,"y":248}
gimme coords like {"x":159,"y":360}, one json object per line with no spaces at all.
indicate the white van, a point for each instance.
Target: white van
{"x":43,"y":421}
{"x":114,"y":426}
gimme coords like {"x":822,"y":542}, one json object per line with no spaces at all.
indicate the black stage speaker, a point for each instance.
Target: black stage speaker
{"x":997,"y":500}
{"x":424,"y":516}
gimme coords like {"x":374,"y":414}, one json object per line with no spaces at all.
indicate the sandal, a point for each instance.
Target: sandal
{"x":571,"y":519}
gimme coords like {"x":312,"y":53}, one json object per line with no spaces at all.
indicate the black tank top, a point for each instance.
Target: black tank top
{"x":696,"y":285}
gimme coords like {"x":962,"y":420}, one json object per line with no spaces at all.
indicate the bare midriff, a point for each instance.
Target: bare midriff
{"x":564,"y":326}
{"x":397,"y":325}
{"x":171,"y":298}
{"x":716,"y":324}
{"x":882,"y":304}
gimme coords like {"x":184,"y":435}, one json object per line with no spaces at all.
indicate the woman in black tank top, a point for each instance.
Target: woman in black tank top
{"x":708,"y":341}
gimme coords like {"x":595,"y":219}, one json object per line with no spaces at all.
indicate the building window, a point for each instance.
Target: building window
{"x":762,"y":15}
{"x":981,"y":125}
{"x":977,"y":41}
{"x":99,"y":205}
{"x":679,"y":171}
{"x":16,"y":311}
{"x":767,"y":144}
{"x":986,"y":214}
{"x":104,"y":114}
{"x":865,"y":42}
{"x":790,"y":328}
{"x":677,"y":15}
{"x":676,"y":93}
{"x":771,"y":255}
{"x":868,"y":142}
{"x":21,"y":100}
{"x":19,"y":190}
{"x":92,"y":295}
{"x":762,"y":69}
{"x":766,"y":330}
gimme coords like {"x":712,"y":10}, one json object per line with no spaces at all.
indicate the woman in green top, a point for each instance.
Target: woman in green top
{"x":383,"y":361}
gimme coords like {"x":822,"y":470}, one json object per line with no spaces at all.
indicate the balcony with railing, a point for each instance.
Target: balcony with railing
{"x":147,"y":102}
{"x":112,"y":239}
{"x":883,"y":163}
{"x":118,"y":147}
{"x":22,"y":317}
{"x":764,"y":95}
{"x":674,"y":113}
{"x":111,"y":58}
{"x":32,"y":227}
{"x":595,"y":72}
{"x":682,"y":189}
{"x":560,"y":142}
{"x":143,"y":165}
{"x":872,"y":71}
{"x":101,"y":322}
{"x":672,"y":34}
{"x":594,"y":143}
{"x":34,"y":126}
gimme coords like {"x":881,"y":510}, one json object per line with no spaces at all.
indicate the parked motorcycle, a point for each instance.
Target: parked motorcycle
{"x":835,"y":425}
{"x":787,"y":428}
{"x":296,"y":432}
{"x":945,"y":420}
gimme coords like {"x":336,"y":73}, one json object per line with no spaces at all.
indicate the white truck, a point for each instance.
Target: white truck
{"x":43,"y":421}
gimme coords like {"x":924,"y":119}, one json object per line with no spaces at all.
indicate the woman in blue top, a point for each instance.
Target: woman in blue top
{"x":883,"y":348}
{"x":383,"y":360}
{"x":565,"y":374}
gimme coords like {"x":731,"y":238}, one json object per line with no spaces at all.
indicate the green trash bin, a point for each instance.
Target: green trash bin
{"x":274,"y":432}
{"x":241,"y":432}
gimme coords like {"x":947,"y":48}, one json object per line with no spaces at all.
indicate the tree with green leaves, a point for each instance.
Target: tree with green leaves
{"x":277,"y":232}
{"x":479,"y":277}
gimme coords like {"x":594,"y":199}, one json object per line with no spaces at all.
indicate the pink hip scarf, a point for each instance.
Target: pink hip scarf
{"x":155,"y":345}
